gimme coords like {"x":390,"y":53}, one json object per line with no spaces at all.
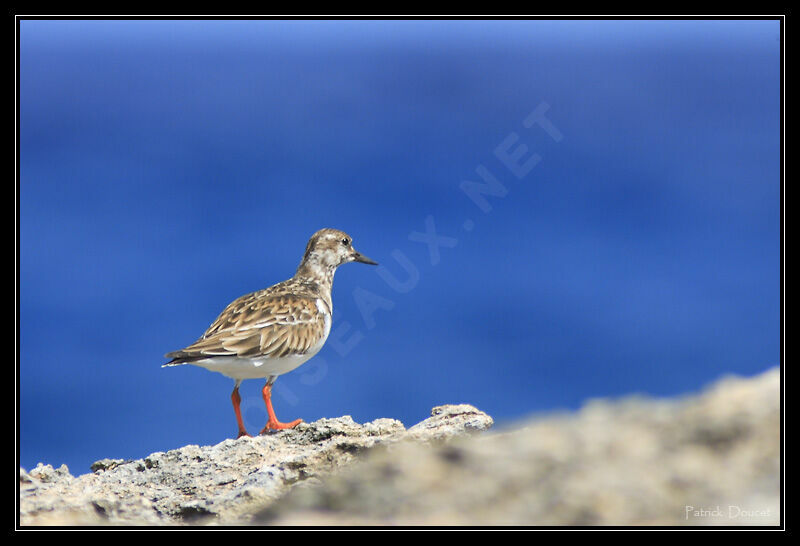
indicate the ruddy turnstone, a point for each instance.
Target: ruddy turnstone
{"x":273,"y":331}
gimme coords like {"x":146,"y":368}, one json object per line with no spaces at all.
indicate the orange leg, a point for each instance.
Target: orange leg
{"x":273,"y":423}
{"x":236,"y":399}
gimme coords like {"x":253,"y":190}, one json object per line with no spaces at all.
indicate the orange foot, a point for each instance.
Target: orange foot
{"x":275,"y":425}
{"x":243,"y":433}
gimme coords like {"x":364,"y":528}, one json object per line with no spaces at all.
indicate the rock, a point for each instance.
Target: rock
{"x":224,"y":483}
{"x":707,"y":459}
{"x":447,"y":422}
{"x":106,"y":464}
{"x":45,"y":473}
{"x":712,"y":459}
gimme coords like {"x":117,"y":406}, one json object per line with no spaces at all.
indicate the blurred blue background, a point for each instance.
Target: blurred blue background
{"x":168,"y":167}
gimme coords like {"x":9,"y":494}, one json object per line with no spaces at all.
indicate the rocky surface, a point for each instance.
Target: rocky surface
{"x":221,"y":484}
{"x":708,"y":459}
{"x":629,"y":462}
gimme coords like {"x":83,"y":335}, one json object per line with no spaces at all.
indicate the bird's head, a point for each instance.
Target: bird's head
{"x":328,"y":249}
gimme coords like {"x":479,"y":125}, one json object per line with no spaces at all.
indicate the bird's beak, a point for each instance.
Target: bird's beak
{"x":358,"y":257}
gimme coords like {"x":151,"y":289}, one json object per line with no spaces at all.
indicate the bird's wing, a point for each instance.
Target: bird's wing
{"x":253,"y":325}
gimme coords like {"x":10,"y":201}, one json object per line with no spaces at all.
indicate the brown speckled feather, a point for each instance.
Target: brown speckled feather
{"x":275,"y":322}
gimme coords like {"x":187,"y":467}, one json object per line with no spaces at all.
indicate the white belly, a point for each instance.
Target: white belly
{"x":252,"y":368}
{"x":260,"y":367}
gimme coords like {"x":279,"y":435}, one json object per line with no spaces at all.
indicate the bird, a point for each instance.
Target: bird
{"x":270,"y":332}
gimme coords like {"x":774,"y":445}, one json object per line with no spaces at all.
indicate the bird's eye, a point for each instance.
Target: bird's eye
{"x":345,"y":242}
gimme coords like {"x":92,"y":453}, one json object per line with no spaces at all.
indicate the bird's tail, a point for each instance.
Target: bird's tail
{"x":181,"y":357}
{"x":178,"y":359}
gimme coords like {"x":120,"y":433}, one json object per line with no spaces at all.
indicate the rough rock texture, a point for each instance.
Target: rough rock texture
{"x":225,"y":483}
{"x":710,"y":459}
{"x":630,"y":462}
